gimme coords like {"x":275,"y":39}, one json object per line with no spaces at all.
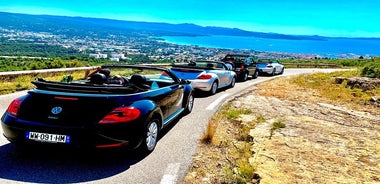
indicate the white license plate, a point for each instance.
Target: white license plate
{"x":50,"y":138}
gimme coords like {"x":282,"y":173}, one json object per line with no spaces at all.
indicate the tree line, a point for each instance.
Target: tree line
{"x":35,"y":50}
{"x":37,"y":63}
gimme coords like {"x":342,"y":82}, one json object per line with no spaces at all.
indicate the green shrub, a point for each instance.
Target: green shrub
{"x":276,"y":125}
{"x":67,"y":78}
{"x":371,"y":69}
{"x":235,"y":113}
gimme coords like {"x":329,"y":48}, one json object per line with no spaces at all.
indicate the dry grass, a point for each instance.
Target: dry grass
{"x":228,"y":146}
{"x":13,"y":84}
{"x":230,"y":154}
{"x":321,"y":87}
{"x":210,"y":131}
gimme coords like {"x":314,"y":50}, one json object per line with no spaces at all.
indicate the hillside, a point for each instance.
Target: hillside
{"x":82,"y":26}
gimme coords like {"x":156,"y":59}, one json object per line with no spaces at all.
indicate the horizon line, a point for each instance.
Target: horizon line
{"x":159,"y":22}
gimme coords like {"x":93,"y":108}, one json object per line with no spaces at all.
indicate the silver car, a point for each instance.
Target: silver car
{"x":269,"y":67}
{"x":206,"y":76}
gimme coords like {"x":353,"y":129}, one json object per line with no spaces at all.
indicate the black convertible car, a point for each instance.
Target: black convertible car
{"x":115,"y":106}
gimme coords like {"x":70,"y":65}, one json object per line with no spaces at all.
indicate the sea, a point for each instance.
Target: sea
{"x":329,"y":47}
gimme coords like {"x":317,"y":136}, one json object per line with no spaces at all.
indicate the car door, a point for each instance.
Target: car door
{"x":224,"y":74}
{"x":173,"y":96}
{"x":176,"y":97}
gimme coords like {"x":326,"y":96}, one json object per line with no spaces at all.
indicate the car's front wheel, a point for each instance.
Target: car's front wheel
{"x":233,"y":81}
{"x":282,"y":71}
{"x":189,"y":104}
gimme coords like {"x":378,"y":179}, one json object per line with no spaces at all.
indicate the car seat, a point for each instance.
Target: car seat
{"x":139,"y":81}
{"x":210,"y":65}
{"x":98,"y":78}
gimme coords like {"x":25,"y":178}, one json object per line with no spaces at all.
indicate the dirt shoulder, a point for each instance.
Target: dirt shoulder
{"x":323,"y":142}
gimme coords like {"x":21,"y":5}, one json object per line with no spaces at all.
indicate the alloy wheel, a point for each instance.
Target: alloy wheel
{"x":190,"y":104}
{"x":214,"y":87}
{"x":151,"y":135}
{"x":233,"y":81}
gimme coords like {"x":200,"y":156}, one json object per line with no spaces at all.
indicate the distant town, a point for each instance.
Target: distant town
{"x":23,"y":35}
{"x":119,"y":47}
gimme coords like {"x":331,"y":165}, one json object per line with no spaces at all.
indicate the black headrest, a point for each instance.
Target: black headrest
{"x":105,"y":71}
{"x":98,"y":78}
{"x":210,"y":65}
{"x":137,"y":79}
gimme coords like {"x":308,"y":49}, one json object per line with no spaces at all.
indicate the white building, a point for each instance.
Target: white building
{"x":115,"y":59}
{"x":120,"y":56}
{"x":98,"y":56}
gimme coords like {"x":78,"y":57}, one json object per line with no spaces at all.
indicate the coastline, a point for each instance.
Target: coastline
{"x":330,"y":47}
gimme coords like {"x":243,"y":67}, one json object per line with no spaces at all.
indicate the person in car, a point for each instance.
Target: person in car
{"x":103,"y":75}
{"x":230,"y":63}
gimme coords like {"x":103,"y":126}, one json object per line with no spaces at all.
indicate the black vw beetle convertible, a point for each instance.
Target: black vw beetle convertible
{"x":115,"y":106}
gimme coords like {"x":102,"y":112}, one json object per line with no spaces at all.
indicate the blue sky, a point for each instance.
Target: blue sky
{"x":350,"y":18}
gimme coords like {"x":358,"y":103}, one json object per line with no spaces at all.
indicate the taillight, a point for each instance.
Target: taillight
{"x":65,"y":98}
{"x":14,"y":107}
{"x":269,"y":66}
{"x":205,"y":76}
{"x":121,"y":115}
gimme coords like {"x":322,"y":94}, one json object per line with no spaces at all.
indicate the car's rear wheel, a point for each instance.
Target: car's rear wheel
{"x":150,"y":136}
{"x":214,"y":87}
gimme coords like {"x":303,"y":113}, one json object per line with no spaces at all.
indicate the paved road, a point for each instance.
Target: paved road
{"x":167,"y":164}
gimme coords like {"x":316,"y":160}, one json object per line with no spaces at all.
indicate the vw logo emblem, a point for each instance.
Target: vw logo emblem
{"x":56,"y":110}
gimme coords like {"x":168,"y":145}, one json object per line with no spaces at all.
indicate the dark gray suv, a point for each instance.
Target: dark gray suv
{"x":243,"y":65}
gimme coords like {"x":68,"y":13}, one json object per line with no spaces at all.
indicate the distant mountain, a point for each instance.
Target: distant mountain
{"x":83,"y":26}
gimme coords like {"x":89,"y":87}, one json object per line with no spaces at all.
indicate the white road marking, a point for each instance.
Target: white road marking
{"x":170,"y":176}
{"x":216,"y":102}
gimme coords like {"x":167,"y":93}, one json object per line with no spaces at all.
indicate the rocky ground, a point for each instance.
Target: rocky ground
{"x":323,"y":141}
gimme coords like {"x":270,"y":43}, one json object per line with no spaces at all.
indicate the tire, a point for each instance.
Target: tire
{"x":214,"y":88}
{"x":273,"y":72}
{"x":150,"y":137}
{"x":282,"y":71}
{"x":189,"y":104}
{"x":255,"y":75}
{"x":245,"y":77}
{"x":232,"y":84}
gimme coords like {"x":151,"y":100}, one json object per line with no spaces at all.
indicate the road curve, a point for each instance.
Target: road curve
{"x":167,"y":164}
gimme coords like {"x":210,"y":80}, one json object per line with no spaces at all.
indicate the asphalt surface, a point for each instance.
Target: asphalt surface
{"x":167,"y":164}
